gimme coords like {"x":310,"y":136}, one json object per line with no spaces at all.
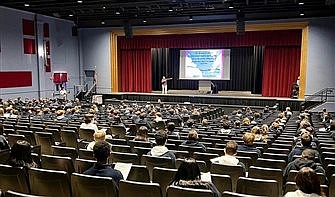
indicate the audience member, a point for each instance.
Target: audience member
{"x":142,"y":134}
{"x":192,"y":140}
{"x":20,"y":155}
{"x":307,"y":160}
{"x":308,"y":184}
{"x":101,"y":152}
{"x":306,"y":141}
{"x":88,"y":123}
{"x":188,"y":176}
{"x":160,"y":150}
{"x":98,"y":136}
{"x":248,"y":145}
{"x":230,"y":156}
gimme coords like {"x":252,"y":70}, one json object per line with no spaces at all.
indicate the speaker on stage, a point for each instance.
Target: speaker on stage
{"x":240,"y":24}
{"x":128,"y":30}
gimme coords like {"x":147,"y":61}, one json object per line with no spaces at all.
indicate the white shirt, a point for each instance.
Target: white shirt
{"x":89,"y":126}
{"x":226,"y":160}
{"x":299,"y":193}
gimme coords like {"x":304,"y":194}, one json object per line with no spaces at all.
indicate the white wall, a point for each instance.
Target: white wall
{"x":321,"y":55}
{"x":95,"y":54}
{"x":64,"y":52}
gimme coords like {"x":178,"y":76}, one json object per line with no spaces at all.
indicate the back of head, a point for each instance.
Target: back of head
{"x":188,"y":171}
{"x":225,"y":124}
{"x":20,"y":153}
{"x":255,"y":130}
{"x":99,"y":135}
{"x":142,"y":133}
{"x":88,"y":118}
{"x":306,"y":139}
{"x":161,"y":137}
{"x":248,"y":138}
{"x":308,"y":154}
{"x":231,"y":148}
{"x":101,"y":150}
{"x":308,"y":181}
{"x":171,"y":126}
{"x":192,"y":134}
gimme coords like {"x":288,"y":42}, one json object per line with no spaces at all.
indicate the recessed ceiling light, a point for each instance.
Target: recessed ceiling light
{"x":117,"y":13}
{"x":191,"y":18}
{"x":26,"y":5}
{"x":170,"y":9}
{"x":103,"y":22}
{"x":71,"y":15}
{"x":104,"y":7}
{"x":144,"y":21}
{"x":79,"y":1}
{"x":302,"y":14}
{"x":231,"y":7}
{"x":301,"y":3}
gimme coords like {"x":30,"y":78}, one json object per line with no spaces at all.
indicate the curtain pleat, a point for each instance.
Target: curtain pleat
{"x":281,"y":70}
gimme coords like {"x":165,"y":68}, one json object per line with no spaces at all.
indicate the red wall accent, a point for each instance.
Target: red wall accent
{"x":15,"y":79}
{"x":29,"y":46}
{"x":28,"y":27}
{"x":46,"y":30}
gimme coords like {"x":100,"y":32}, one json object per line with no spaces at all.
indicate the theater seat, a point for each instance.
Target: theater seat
{"x":46,"y":140}
{"x":268,"y":174}
{"x":139,"y":173}
{"x":151,"y":162}
{"x":222,"y":182}
{"x":81,"y":165}
{"x":13,"y":178}
{"x":86,"y":134}
{"x":4,"y":155}
{"x":49,"y":183}
{"x":201,"y":164}
{"x":18,"y":194}
{"x":124,"y":158}
{"x":118,"y":131}
{"x":86,"y":185}
{"x":65,"y":152}
{"x":51,"y":162}
{"x":233,"y":171}
{"x":260,"y":187}
{"x":139,"y":189}
{"x":164,"y":177}
{"x":174,"y":191}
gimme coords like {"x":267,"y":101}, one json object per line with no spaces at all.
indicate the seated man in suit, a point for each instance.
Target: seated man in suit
{"x":248,"y":145}
{"x":101,"y":152}
{"x":160,"y":150}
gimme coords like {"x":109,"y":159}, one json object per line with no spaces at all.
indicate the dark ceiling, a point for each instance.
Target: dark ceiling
{"x":93,"y":13}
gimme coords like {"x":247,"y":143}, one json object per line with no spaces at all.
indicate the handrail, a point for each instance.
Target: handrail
{"x":91,"y":88}
{"x":319,"y":97}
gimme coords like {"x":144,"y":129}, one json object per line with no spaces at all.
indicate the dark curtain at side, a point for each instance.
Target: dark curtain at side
{"x":281,"y":69}
{"x":257,"y":74}
{"x":160,"y":62}
{"x":135,"y":72}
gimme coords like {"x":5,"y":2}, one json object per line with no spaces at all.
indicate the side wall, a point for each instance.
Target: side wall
{"x":63,"y":48}
{"x":321,"y":55}
{"x":95,"y":55}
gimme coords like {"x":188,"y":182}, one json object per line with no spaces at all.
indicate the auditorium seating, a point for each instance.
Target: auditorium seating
{"x":13,"y":179}
{"x":164,"y":177}
{"x":260,"y":187}
{"x":174,"y":191}
{"x":233,"y":171}
{"x":86,"y":185}
{"x":139,"y":189}
{"x":222,"y":182}
{"x":18,"y":194}
{"x":139,"y":173}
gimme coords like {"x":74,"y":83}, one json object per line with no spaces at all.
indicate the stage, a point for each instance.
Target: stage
{"x":227,"y":98}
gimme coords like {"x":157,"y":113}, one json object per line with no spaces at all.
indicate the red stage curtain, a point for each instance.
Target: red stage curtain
{"x":280,"y":70}
{"x":135,"y":70}
{"x":213,"y":40}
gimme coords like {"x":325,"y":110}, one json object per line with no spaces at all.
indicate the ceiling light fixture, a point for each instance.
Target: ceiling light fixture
{"x":70,"y":15}
{"x":26,"y":5}
{"x":231,"y":6}
{"x":103,"y":22}
{"x":190,"y":18}
{"x":104,"y":7}
{"x":117,"y":13}
{"x":79,"y":1}
{"x":302,"y":14}
{"x":170,"y":9}
{"x":144,"y":21}
{"x":301,"y":3}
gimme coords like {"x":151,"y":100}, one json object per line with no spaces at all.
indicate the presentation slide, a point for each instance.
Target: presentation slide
{"x":205,"y":64}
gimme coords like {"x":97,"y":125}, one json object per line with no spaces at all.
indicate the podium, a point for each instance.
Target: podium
{"x":204,"y":86}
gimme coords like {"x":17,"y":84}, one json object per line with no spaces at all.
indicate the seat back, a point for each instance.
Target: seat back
{"x":174,"y":191}
{"x":13,"y":178}
{"x":124,"y":158}
{"x":4,"y":156}
{"x":222,"y":182}
{"x":18,"y":194}
{"x":81,"y":165}
{"x":151,"y":162}
{"x":49,"y":183}
{"x":205,"y":157}
{"x":65,"y":152}
{"x":233,"y":171}
{"x":30,"y":137}
{"x":164,"y":177}
{"x":57,"y":163}
{"x":86,"y":134}
{"x":70,"y":138}
{"x":332,"y":185}
{"x":260,"y":187}
{"x":267,"y":173}
{"x":118,"y":131}
{"x":85,"y":154}
{"x":46,"y":140}
{"x":139,"y":189}
{"x":291,"y":187}
{"x":139,"y":173}
{"x":86,"y":185}
{"x":201,"y":164}
{"x":279,"y":164}
{"x":13,"y":138}
{"x":293,"y":173}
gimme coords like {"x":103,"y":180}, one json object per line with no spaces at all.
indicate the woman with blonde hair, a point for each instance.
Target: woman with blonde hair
{"x":246,"y":122}
{"x":99,"y":135}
